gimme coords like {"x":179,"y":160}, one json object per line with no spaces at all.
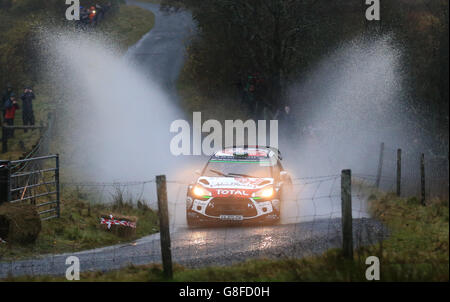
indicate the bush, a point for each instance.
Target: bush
{"x":413,"y":201}
{"x":19,"y":223}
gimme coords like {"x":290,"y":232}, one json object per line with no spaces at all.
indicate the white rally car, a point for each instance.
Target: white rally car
{"x":238,"y":185}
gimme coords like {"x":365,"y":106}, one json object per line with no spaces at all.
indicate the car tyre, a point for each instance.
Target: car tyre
{"x":191,"y":222}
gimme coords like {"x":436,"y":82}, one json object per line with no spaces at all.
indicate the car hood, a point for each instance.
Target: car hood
{"x":234,"y":182}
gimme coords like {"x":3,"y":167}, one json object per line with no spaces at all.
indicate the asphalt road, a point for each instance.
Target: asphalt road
{"x":160,"y":53}
{"x":310,"y":223}
{"x":203,"y":247}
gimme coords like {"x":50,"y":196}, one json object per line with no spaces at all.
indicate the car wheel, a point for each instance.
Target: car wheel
{"x":277,"y":219}
{"x":191,"y":222}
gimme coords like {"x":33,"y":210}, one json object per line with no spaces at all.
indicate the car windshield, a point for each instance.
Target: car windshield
{"x":238,"y":168}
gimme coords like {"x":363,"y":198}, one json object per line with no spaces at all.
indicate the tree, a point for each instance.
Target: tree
{"x":270,"y":37}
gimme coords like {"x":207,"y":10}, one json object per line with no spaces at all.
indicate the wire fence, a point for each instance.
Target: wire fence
{"x":41,"y":148}
{"x":311,"y":221}
{"x":436,"y":173}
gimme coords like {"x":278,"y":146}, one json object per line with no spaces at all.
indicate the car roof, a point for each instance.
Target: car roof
{"x":247,"y":152}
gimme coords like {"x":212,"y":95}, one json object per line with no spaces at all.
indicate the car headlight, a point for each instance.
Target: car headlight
{"x":200,"y":191}
{"x":264,"y":193}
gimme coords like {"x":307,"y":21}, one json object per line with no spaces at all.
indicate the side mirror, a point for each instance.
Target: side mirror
{"x":198,"y":172}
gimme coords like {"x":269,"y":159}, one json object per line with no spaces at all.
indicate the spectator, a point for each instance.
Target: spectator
{"x":6,"y":95}
{"x":248,"y":100}
{"x":287,"y":120}
{"x":84,"y":15}
{"x":92,"y":15}
{"x":107,"y":6}
{"x":10,"y":112}
{"x":268,"y":113}
{"x":99,"y":12}
{"x":27,"y":107}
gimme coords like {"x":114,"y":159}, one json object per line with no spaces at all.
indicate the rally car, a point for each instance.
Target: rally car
{"x":238,"y":185}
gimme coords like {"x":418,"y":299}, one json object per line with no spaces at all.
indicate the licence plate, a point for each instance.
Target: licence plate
{"x":231,"y":217}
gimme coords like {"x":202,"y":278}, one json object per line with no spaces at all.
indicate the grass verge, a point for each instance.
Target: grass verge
{"x":79,"y":228}
{"x":416,"y":250}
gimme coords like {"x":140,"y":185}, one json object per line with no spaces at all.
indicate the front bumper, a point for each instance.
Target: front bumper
{"x":200,"y":219}
{"x":225,"y":211}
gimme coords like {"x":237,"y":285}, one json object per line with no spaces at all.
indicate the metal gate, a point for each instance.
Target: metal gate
{"x":35,"y":181}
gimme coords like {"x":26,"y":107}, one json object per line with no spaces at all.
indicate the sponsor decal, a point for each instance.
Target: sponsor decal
{"x":249,"y":181}
{"x":238,"y":193}
{"x":242,"y":151}
{"x":236,"y":182}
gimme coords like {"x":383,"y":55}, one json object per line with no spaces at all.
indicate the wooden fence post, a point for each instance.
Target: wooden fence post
{"x":58,"y":192}
{"x":422,"y":179}
{"x":399,"y":172}
{"x":380,"y":165}
{"x":4,"y":139}
{"x":5,"y":178}
{"x":346,"y":207}
{"x":163,"y":213}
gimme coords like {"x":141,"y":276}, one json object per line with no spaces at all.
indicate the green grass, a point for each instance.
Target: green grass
{"x":419,"y":246}
{"x":79,"y":228}
{"x":416,"y":250}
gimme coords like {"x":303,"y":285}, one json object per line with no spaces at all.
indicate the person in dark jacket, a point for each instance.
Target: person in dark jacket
{"x":287,"y":120}
{"x":10,"y":113}
{"x":100,"y":13}
{"x":27,"y":107}
{"x":84,"y":15}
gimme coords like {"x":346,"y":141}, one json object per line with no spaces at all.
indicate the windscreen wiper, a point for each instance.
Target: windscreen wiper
{"x":218,"y":172}
{"x":243,"y":175}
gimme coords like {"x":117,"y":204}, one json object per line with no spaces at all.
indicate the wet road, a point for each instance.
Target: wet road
{"x":310,"y":218}
{"x":161,"y":52}
{"x":203,"y":247}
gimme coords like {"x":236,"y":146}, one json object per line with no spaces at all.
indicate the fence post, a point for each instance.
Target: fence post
{"x":163,"y":213}
{"x":346,"y":207}
{"x":380,"y":165}
{"x":5,"y":175}
{"x":58,"y":202}
{"x":4,"y":139}
{"x":422,"y":179}
{"x":399,"y":172}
